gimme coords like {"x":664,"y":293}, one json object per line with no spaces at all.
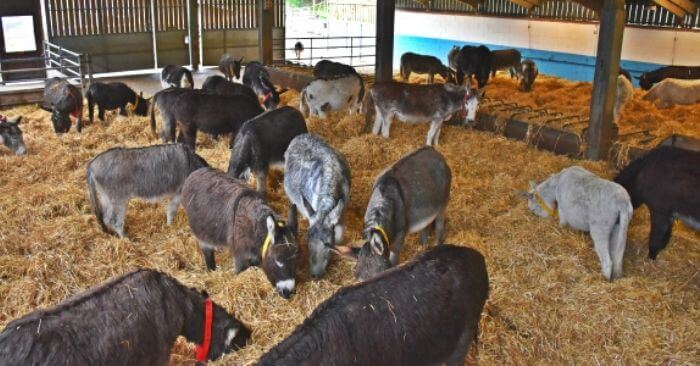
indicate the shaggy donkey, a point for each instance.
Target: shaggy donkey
{"x":224,"y":212}
{"x":321,"y":96}
{"x":406,"y":198}
{"x":133,"y":319}
{"x":230,"y":67}
{"x":11,"y":135}
{"x":414,"y":103}
{"x":582,"y":200}
{"x":327,"y":69}
{"x":505,"y":60}
{"x":174,"y":76}
{"x":425,"y":312}
{"x":152,"y":173}
{"x":62,"y":99}
{"x":195,"y":110}
{"x":670,"y":92}
{"x":257,"y":77}
{"x":527,"y":74}
{"x":424,"y":64}
{"x":262,"y":141}
{"x":298,"y":49}
{"x":219,"y":85}
{"x":625,"y":92}
{"x":452,"y":57}
{"x":317,"y":181}
{"x":667,"y":180}
{"x":109,"y":96}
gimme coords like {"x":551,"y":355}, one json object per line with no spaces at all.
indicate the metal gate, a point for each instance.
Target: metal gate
{"x":230,"y":26}
{"x":125,"y":35}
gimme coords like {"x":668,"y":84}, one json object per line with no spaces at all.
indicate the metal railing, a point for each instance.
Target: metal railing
{"x":357,"y":51}
{"x":56,"y":58}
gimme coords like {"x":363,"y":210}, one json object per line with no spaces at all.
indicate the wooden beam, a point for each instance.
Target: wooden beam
{"x":193,"y":33}
{"x":474,"y":3}
{"x":384,"y":68}
{"x":686,"y":5}
{"x":265,"y":22}
{"x":524,"y":3}
{"x":673,"y":8}
{"x":595,"y":5}
{"x":602,"y":130}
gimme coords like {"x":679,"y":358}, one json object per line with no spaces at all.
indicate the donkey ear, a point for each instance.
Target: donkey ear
{"x":292,"y":222}
{"x":241,"y":60}
{"x":376,"y":244}
{"x":270,"y":221}
{"x":17,"y":121}
{"x":205,"y":294}
{"x":481,"y":93}
{"x":346,"y":251}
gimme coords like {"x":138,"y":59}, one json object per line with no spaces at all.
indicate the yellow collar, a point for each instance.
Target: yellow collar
{"x":550,"y":211}
{"x":132,"y":108}
{"x":381,"y":231}
{"x":268,"y":240}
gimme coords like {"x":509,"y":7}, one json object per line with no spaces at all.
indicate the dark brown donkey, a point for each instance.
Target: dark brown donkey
{"x":63,"y":100}
{"x":133,"y":319}
{"x":225,"y":212}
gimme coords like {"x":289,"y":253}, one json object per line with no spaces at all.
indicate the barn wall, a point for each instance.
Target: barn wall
{"x":565,"y":49}
{"x":237,"y":42}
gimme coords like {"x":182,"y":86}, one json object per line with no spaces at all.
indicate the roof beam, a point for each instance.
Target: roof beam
{"x":473,"y":3}
{"x":686,"y":5}
{"x":595,"y":5}
{"x":673,"y":8}
{"x":527,"y":4}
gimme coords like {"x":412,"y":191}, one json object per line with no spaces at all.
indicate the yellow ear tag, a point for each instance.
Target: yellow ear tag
{"x":268,"y":240}
{"x":381,"y":230}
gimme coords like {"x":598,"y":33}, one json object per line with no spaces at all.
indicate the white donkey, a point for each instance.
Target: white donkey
{"x":582,"y":200}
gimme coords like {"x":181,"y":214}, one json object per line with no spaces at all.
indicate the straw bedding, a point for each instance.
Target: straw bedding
{"x":548,"y":302}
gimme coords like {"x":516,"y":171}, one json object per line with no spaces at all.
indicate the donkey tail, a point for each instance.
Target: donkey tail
{"x":369,"y":111}
{"x":91,"y":103}
{"x":619,"y":239}
{"x":94,"y":200}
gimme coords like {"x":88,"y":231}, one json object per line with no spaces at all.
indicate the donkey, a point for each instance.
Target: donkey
{"x":132,"y":319}
{"x":317,"y":181}
{"x":527,"y":74}
{"x":151,"y":173}
{"x":321,"y":96}
{"x":452,"y":57}
{"x":109,"y":96}
{"x":406,"y":198}
{"x":257,"y":77}
{"x":62,"y":99}
{"x":425,"y":312}
{"x":219,"y":85}
{"x":413,"y":103}
{"x":474,"y":61}
{"x":670,"y":92}
{"x":262,"y":141}
{"x":174,"y":76}
{"x":423,"y":64}
{"x":327,"y":69}
{"x":583,"y":201}
{"x":11,"y":135}
{"x":624,"y":93}
{"x":298,"y":49}
{"x":224,"y":212}
{"x":508,"y":59}
{"x":649,"y":78}
{"x":230,"y":67}
{"x":667,"y":180}
{"x":195,"y":110}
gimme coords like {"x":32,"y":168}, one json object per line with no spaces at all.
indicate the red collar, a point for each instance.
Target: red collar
{"x":203,"y":349}
{"x":268,"y":96}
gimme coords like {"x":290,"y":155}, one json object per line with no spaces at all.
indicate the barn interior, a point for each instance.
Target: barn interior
{"x":548,"y":303}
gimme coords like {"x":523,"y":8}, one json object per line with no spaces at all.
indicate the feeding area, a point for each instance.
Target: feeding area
{"x":548,"y":302}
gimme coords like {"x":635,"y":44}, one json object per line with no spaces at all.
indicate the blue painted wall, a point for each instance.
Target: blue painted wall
{"x":565,"y":65}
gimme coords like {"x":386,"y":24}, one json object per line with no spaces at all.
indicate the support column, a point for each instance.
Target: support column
{"x":602,"y":129}
{"x":384,"y":51}
{"x":265,"y":22}
{"x":193,"y":32}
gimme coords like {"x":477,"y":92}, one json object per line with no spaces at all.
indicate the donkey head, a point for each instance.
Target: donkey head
{"x":271,"y":97}
{"x":472,"y":104}
{"x":61,"y":121}
{"x":11,"y":135}
{"x":644,"y":81}
{"x":227,"y":333}
{"x":536,"y":203}
{"x":373,"y":256}
{"x":280,"y":252}
{"x":142,"y":107}
{"x":237,"y":67}
{"x":323,"y":234}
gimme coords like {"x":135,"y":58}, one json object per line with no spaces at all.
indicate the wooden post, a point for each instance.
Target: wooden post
{"x":384,"y":49}
{"x":193,"y":33}
{"x":602,"y":129}
{"x":265,"y":22}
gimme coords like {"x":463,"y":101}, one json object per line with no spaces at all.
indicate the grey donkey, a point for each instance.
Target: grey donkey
{"x":317,"y":181}
{"x":584,"y":201}
{"x":406,"y":198}
{"x":152,"y":173}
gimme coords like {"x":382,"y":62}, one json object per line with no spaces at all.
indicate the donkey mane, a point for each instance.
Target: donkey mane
{"x":97,"y":290}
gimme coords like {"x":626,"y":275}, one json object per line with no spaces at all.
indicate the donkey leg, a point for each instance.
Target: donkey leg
{"x":431,"y":78}
{"x":378,"y":121}
{"x":261,"y":180}
{"x":601,"y":243}
{"x":116,"y":219}
{"x":424,"y":235}
{"x":172,"y":208}
{"x":208,"y":255}
{"x":386,"y":125}
{"x":100,"y":113}
{"x":459,"y":354}
{"x":434,"y":126}
{"x":661,"y":226}
{"x":617,"y":249}
{"x":396,"y":247}
{"x":440,"y":228}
